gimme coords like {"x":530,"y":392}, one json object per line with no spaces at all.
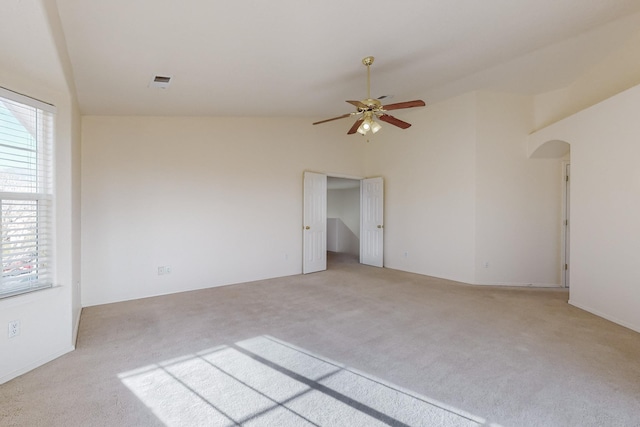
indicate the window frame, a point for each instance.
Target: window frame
{"x":41,"y":213}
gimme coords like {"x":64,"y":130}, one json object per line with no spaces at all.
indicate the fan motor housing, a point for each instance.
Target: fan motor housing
{"x":373,"y":104}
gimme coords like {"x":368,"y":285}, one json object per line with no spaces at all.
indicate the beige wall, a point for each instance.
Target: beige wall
{"x":219,"y":200}
{"x":518,"y":200}
{"x":345,"y":204}
{"x":343,"y":225}
{"x":605,"y":189}
{"x":461,"y":192}
{"x":429,"y":189}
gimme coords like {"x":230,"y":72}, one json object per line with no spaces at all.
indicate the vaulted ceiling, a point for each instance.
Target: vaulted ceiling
{"x":303,"y":58}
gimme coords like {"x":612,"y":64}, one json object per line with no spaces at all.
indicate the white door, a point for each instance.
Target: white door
{"x":567,"y":225}
{"x":314,"y":223}
{"x":371,"y":221}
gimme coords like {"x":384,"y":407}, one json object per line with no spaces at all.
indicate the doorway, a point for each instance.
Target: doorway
{"x":343,"y":218}
{"x":315,"y":220}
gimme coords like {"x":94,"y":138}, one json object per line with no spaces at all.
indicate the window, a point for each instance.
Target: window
{"x":26,"y":197}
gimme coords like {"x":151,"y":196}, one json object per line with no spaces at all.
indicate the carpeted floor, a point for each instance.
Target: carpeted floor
{"x":354,"y":345}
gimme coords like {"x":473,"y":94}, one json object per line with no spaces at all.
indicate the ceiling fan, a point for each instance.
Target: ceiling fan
{"x":371,"y":109}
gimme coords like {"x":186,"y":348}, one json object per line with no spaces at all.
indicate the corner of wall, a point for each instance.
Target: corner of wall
{"x":619,"y":71}
{"x":517,"y":199}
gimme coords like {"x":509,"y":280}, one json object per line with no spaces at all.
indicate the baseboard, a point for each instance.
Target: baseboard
{"x":463,"y":282}
{"x":522,"y":285}
{"x":34,"y":365}
{"x":613,"y":319}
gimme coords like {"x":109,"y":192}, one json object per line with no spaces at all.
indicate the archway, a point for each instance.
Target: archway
{"x":554,"y":149}
{"x":561,"y":150}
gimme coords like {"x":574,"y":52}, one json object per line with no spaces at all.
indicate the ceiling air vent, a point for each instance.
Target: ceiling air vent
{"x":160,"y":82}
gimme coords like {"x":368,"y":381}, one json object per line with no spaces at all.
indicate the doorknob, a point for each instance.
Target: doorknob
{"x":307,"y":227}
{"x":380,"y":226}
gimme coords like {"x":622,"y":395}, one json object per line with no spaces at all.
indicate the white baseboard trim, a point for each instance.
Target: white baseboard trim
{"x":31,"y":366}
{"x":462,"y":281}
{"x":522,"y":285}
{"x":613,"y":319}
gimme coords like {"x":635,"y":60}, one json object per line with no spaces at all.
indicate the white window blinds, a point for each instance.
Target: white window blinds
{"x":26,"y":199}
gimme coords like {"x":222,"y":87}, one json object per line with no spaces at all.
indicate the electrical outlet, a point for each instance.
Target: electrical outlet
{"x":167,"y":269}
{"x":406,"y":254}
{"x":486,"y":264}
{"x":13,"y":329}
{"x":161,"y":271}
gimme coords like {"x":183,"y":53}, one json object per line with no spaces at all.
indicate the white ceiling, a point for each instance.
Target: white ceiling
{"x":303,"y":58}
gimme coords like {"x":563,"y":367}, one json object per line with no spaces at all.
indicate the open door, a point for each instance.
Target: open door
{"x":567,"y":224}
{"x":371,"y":221}
{"x":314,"y":223}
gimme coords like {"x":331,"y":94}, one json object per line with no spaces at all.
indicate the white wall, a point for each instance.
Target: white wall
{"x":345,"y":204}
{"x":605,"y":189}
{"x":460,"y":192}
{"x":518,"y":200}
{"x":429,"y":172}
{"x":217,"y":199}
{"x":340,"y":238}
{"x":343,"y":234}
{"x":33,"y":62}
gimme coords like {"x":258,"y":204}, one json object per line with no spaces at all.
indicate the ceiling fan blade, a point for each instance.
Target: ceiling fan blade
{"x":358,"y":104}
{"x":355,"y":127}
{"x":335,"y":118}
{"x":408,"y":104}
{"x":393,"y":121}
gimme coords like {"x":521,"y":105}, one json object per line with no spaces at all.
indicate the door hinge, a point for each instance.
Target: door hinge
{"x":566,"y":222}
{"x":567,"y":178}
{"x":566,"y":266}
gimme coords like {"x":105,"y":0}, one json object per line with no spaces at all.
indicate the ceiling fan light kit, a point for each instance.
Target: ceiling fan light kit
{"x":368,"y":124}
{"x":371,"y":109}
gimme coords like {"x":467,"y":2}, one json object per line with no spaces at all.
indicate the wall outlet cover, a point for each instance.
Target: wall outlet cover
{"x":13,"y":329}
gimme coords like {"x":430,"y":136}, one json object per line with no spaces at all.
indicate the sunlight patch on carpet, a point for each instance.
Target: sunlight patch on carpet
{"x":265,"y":381}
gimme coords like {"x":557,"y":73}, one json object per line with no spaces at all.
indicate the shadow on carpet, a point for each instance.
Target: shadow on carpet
{"x":264,"y":381}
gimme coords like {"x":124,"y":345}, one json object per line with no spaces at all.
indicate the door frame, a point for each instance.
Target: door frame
{"x":565,"y":266}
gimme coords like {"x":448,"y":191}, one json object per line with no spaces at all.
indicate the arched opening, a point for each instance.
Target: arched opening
{"x":555,"y":149}
{"x":561,"y":150}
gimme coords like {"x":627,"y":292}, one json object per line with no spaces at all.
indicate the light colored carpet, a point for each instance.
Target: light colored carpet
{"x":263,"y":381}
{"x":354,"y":345}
